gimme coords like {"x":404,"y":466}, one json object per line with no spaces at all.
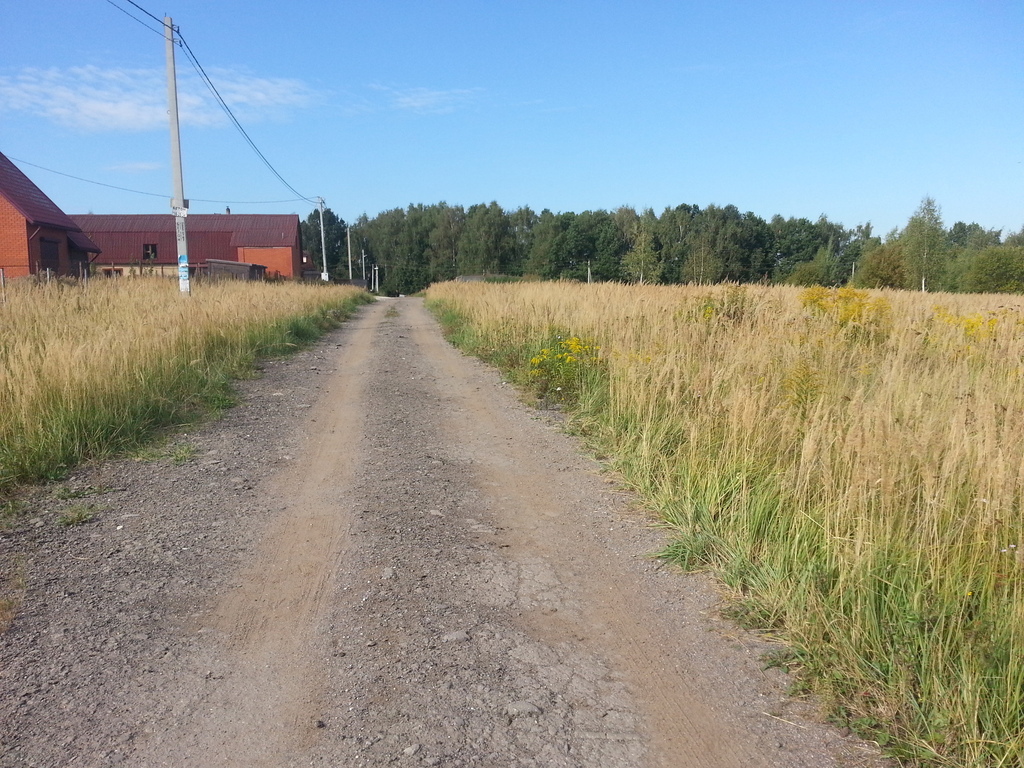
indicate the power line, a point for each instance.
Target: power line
{"x":88,"y":181}
{"x":223,"y":104}
{"x":154,"y":18}
{"x":131,"y":15}
{"x":194,"y":61}
{"x":156,"y":194}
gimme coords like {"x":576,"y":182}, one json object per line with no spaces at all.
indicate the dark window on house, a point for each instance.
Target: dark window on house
{"x":49,"y":254}
{"x":149,"y":251}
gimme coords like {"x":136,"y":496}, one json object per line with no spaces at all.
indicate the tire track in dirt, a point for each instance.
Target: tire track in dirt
{"x":267,"y":631}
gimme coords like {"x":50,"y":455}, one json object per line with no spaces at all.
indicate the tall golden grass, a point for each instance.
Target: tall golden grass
{"x":850,"y":463}
{"x":86,"y":369}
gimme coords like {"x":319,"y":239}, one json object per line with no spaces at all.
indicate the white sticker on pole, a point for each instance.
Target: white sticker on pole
{"x":183,"y":273}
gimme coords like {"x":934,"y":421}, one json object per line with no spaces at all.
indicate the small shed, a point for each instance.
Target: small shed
{"x":233,"y":270}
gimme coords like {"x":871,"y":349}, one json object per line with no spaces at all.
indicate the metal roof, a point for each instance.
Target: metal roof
{"x":81,"y":241}
{"x":252,"y":230}
{"x":29,"y":200}
{"x":210,"y":236}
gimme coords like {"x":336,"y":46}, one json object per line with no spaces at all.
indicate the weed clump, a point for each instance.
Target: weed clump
{"x":560,"y":370}
{"x":76,"y":514}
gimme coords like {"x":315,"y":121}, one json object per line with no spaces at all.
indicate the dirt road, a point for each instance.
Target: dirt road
{"x":379,"y":558}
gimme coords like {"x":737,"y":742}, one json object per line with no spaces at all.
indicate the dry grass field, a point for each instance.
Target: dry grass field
{"x":87,"y":369}
{"x":850,"y":463}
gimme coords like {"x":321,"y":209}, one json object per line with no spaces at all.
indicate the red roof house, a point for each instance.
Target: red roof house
{"x":147,"y":243}
{"x":37,"y":237}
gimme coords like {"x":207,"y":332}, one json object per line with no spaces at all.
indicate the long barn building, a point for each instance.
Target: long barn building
{"x":146,"y":243}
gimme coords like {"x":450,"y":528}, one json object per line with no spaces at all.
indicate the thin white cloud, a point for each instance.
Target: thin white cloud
{"x":257,"y":96}
{"x":429,"y":101}
{"x":91,"y":98}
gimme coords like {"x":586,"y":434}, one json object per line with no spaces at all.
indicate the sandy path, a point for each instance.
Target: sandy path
{"x":432,"y":575}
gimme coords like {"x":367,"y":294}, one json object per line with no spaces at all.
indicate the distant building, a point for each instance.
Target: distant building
{"x":146,"y":244}
{"x":37,"y":237}
{"x":216,"y":269}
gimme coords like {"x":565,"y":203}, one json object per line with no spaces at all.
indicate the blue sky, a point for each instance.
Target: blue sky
{"x":856,"y":109}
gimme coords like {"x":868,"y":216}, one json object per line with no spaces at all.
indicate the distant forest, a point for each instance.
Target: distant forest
{"x":422,"y":244}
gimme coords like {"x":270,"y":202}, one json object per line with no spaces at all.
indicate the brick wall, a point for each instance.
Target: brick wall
{"x":13,"y":241}
{"x":280,"y":262}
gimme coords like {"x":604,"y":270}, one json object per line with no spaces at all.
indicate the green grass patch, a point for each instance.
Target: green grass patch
{"x":76,"y":514}
{"x":66,"y":492}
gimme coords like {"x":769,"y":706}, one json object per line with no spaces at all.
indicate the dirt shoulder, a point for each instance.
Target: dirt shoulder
{"x":381,"y":557}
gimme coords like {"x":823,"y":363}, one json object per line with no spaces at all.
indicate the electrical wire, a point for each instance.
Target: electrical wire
{"x":131,"y":15}
{"x":89,"y":181}
{"x":227,"y":110}
{"x":157,"y":194}
{"x":154,"y":18}
{"x":194,"y":61}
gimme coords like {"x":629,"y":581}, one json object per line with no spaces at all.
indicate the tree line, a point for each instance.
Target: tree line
{"x":415,"y":246}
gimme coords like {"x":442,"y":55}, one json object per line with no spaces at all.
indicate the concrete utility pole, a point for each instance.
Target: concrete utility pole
{"x":179,"y":205}
{"x":323,"y":241}
{"x":348,"y":239}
